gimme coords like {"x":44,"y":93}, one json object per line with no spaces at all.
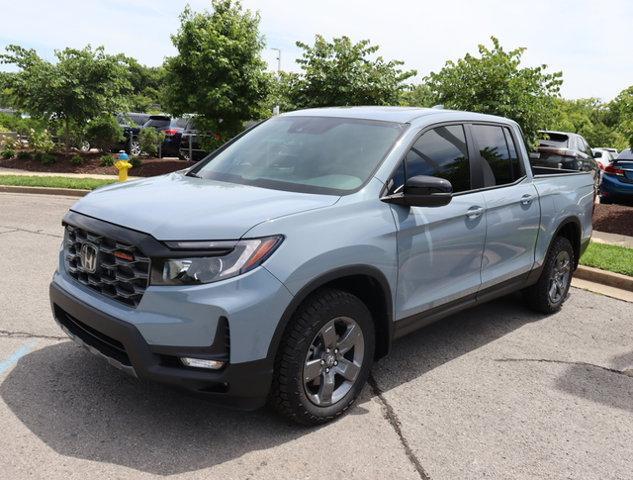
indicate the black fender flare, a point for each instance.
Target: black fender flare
{"x":323,"y":279}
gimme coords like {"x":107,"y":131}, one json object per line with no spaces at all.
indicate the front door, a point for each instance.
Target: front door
{"x":439,"y":248}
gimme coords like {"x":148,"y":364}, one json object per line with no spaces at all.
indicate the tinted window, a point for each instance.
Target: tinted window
{"x":500,"y":160}
{"x":441,"y":152}
{"x":306,"y":154}
{"x":158,"y":122}
{"x":553,"y":139}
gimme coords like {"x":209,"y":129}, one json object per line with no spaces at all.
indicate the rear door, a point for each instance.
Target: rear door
{"x":512,"y":206}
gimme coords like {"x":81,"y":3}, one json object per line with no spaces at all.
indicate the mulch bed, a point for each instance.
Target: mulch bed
{"x":613,"y":219}
{"x":149,"y":168}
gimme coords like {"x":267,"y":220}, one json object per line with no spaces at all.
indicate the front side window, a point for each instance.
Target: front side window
{"x":306,"y":154}
{"x":441,"y":152}
{"x":501,"y":164}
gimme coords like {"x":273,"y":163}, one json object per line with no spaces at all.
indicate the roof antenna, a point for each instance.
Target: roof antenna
{"x":438,"y":107}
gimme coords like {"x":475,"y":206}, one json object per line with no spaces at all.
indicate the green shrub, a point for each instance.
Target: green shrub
{"x":41,"y":140}
{"x":47,"y":159}
{"x":24,"y":155}
{"x":135,"y":161}
{"x":150,"y":139}
{"x":104,"y":133}
{"x":107,"y":161}
{"x":7,"y":153}
{"x":77,"y":160}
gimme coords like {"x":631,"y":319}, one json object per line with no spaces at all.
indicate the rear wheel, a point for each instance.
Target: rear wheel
{"x":550,"y":292}
{"x":324,"y":359}
{"x":605,"y":200}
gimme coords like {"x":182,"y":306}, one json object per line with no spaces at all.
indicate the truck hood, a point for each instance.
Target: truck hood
{"x":177,"y":207}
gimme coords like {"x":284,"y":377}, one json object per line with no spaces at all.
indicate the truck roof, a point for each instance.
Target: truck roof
{"x":394,"y":114}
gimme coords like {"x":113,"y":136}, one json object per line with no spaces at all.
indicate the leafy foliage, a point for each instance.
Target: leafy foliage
{"x":495,"y":83}
{"x":417,"y":96}
{"x":107,"y":161}
{"x":146,"y":85}
{"x":77,"y":160}
{"x":7,"y":153}
{"x":587,"y":117}
{"x":24,"y":155}
{"x":620,"y":115}
{"x":80,"y":86}
{"x":104,"y":133}
{"x":135,"y":162}
{"x":40,"y":140}
{"x":341,"y":72}
{"x":150,"y":139}
{"x":218,"y":73}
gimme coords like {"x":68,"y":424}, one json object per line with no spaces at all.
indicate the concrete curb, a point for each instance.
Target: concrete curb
{"x":69,"y":192}
{"x":611,"y":279}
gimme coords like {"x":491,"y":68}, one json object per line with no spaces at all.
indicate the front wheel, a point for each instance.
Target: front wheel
{"x":324,"y":358}
{"x":550,"y":292}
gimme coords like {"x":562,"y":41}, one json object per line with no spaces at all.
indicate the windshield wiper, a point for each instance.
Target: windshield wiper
{"x":192,"y":174}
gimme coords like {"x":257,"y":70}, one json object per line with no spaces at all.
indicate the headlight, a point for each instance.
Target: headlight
{"x":244,"y":256}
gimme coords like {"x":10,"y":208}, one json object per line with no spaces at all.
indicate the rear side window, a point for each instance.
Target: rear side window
{"x":500,"y":161}
{"x":441,"y":152}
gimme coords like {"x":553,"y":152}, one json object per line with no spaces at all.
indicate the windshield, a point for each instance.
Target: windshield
{"x":305,"y":154}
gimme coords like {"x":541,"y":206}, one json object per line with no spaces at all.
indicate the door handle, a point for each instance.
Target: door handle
{"x":474,"y":212}
{"x":527,"y":199}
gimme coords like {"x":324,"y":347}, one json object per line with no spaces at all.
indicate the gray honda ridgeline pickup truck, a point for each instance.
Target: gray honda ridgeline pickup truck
{"x":281,"y":266}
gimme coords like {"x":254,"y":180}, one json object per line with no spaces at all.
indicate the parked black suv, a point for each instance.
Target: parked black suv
{"x":565,"y":150}
{"x":172,"y":128}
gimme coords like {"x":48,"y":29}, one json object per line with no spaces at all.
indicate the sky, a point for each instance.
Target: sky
{"x":588,"y":40}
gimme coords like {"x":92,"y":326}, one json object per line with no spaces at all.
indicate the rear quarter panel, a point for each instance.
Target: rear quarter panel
{"x":562,"y":197}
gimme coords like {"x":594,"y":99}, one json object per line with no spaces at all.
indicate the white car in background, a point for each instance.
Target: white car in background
{"x":604,"y":156}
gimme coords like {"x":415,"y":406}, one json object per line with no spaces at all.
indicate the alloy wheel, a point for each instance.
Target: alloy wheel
{"x":560,"y":277}
{"x":334,"y":361}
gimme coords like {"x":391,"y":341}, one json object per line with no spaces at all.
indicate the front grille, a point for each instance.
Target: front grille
{"x":108,"y":346}
{"x":122,"y":271}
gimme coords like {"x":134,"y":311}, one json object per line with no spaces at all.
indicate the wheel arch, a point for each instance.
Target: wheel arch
{"x":571,"y":229}
{"x":364,"y":281}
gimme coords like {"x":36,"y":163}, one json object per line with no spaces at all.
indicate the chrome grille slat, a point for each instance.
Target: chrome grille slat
{"x":115,"y":278}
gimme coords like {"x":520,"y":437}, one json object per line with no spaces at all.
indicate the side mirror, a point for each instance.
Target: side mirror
{"x":597,"y":154}
{"x":423,"y":191}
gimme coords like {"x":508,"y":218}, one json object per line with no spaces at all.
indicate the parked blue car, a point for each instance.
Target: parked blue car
{"x":617,"y":179}
{"x":282,"y":265}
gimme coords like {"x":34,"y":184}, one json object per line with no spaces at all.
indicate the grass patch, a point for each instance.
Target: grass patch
{"x":54,"y":182}
{"x":609,"y":257}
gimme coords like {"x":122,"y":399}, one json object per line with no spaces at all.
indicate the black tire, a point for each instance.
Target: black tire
{"x":538,"y":296}
{"x":605,"y":201}
{"x":289,"y":395}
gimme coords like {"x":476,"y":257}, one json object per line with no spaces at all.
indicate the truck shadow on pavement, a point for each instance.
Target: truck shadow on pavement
{"x":81,"y":407}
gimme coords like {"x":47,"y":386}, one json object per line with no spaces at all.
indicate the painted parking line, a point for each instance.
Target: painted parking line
{"x":17,"y":355}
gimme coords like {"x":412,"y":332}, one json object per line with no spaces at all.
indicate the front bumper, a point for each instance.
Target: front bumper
{"x":241,"y":385}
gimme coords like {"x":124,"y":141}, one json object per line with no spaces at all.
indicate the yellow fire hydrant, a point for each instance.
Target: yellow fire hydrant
{"x":122,"y":165}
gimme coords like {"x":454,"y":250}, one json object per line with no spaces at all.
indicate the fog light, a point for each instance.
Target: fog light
{"x":202,"y":363}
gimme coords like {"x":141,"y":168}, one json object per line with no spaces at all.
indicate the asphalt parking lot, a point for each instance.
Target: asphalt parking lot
{"x":494,"y":392}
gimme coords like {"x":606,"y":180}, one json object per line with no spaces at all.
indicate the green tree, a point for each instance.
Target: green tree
{"x":417,"y":96}
{"x":341,"y":72}
{"x":586,"y":116}
{"x":146,"y":83}
{"x":620,"y":115}
{"x":218,"y":73}
{"x":80,"y":86}
{"x":495,"y":83}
